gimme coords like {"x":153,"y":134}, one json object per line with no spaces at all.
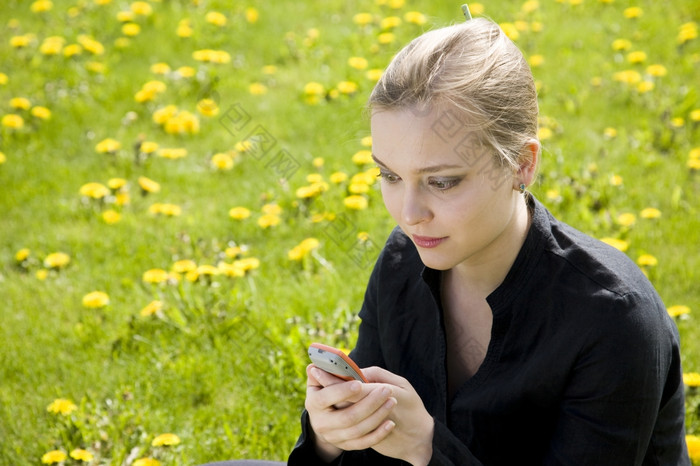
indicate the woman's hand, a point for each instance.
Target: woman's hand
{"x":411,"y":438}
{"x":346,"y":415}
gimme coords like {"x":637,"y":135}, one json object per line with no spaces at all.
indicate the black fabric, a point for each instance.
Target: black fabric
{"x":583,"y":366}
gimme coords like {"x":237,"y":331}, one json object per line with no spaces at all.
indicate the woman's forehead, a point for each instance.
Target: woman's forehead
{"x":438,"y":135}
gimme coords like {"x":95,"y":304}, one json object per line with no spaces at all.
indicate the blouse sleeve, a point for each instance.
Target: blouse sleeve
{"x":624,"y":394}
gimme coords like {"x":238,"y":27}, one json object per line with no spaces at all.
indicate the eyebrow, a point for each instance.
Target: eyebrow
{"x":422,"y":170}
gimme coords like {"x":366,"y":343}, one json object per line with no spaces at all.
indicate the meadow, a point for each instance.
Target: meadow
{"x":187,"y":200}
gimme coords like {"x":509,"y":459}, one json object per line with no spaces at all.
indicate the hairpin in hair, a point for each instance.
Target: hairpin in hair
{"x":467,"y":14}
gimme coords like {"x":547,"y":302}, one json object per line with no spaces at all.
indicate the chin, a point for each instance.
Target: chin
{"x":437,"y":263}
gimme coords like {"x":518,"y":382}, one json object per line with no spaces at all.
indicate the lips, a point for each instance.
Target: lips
{"x":427,"y":241}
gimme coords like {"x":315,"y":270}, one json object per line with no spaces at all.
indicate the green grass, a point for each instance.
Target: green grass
{"x":222,"y":366}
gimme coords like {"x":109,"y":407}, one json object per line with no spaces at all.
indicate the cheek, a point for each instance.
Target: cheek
{"x":392,"y":200}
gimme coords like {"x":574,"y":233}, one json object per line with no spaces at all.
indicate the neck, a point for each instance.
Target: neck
{"x":483,"y":274}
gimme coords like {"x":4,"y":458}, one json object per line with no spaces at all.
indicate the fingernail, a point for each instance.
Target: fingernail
{"x":386,"y":391}
{"x":355,"y":387}
{"x":390,"y":403}
{"x":389,"y":425}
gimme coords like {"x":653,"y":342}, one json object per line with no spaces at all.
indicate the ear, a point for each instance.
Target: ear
{"x":527,"y":164}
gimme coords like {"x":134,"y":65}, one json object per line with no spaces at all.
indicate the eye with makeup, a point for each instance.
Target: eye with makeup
{"x":438,"y":183}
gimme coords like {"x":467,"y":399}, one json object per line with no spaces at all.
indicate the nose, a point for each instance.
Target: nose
{"x":415,"y":209}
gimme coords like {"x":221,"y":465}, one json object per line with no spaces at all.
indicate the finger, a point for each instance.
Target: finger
{"x":325,"y":378}
{"x":379,"y":375}
{"x":360,"y":418}
{"x":324,"y":398}
{"x":370,"y":439}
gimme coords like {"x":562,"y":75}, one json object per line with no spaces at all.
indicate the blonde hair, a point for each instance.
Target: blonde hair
{"x":474,"y":69}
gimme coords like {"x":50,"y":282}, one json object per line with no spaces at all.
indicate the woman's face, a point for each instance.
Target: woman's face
{"x":444,"y":189}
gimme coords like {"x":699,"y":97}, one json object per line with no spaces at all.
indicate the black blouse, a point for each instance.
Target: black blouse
{"x":583,"y":366}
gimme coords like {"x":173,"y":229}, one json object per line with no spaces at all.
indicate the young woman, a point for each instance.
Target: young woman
{"x":491,"y":332}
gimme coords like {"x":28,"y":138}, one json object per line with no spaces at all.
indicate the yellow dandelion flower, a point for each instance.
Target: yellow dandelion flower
{"x":314,"y":178}
{"x":172,"y":153}
{"x":160,"y":68}
{"x":687,"y":32}
{"x":338,"y":177}
{"x":678,"y":310}
{"x":677,"y":122}
{"x":510,"y":30}
{"x":691,"y":379}
{"x":52,"y":45}
{"x":390,"y":22}
{"x":693,"y":443}
{"x":355,"y":202}
{"x":645,"y":86}
{"x":374,"y":74}
{"x":94,"y":190}
{"x":621,"y":44}
{"x":619,"y":244}
{"x":386,"y":38}
{"x":12,"y":121}
{"x":693,"y":164}
{"x":165,"y":440}
{"x":367,"y":177}
{"x":647,"y":260}
{"x":19,"y":42}
{"x":626,"y":219}
{"x":142,"y":8}
{"x":415,"y":17}
{"x":272,"y":209}
{"x":155,"y":276}
{"x":252,"y":15}
{"x":695,"y":115}
{"x":536,"y":61}
{"x":249,"y":263}
{"x":184,"y":266}
{"x":358,"y":188}
{"x":222,"y":161}
{"x":544,"y":133}
{"x":616,"y":180}
{"x":633,"y":12}
{"x":151,"y":308}
{"x":657,"y":70}
{"x":3,"y":79}
{"x":610,"y":133}
{"x":148,"y":185}
{"x":314,"y":88}
{"x":111,"y":216}
{"x":148,"y":147}
{"x":61,"y":406}
{"x":22,"y":254}
{"x":164,"y":114}
{"x":95,"y":300}
{"x":208,"y":107}
{"x":257,"y":89}
{"x":307,"y":192}
{"x":79,"y":454}
{"x":56,"y":260}
{"x":362,"y":19}
{"x":637,"y":56}
{"x":186,"y":71}
{"x":54,"y":456}
{"x":362,"y":157}
{"x":239,"y":213}
{"x":216,"y":18}
{"x":40,"y":112}
{"x":347,"y":87}
{"x":268,"y":220}
{"x":694,"y":153}
{"x":146,"y":462}
{"x":108,"y":146}
{"x":40,"y":6}
{"x":184,"y":31}
{"x":131,"y":29}
{"x":91,"y":45}
{"x":359,"y":63}
{"x":627,"y":77}
{"x":20,"y":103}
{"x":650,"y":212}
{"x":234,"y":251}
{"x":317,"y":162}
{"x":3,"y":158}
{"x":116,"y":183}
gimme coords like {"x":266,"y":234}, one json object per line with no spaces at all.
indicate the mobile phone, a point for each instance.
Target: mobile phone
{"x":334,"y":361}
